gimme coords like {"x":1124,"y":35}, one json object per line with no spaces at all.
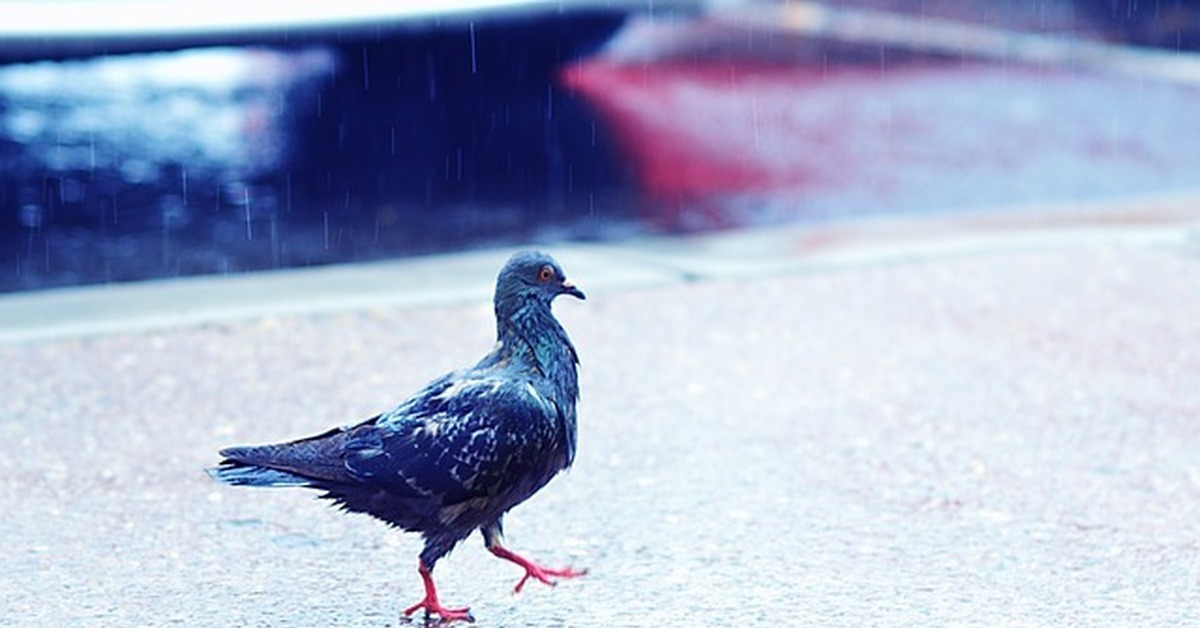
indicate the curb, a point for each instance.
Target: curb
{"x":599,"y":267}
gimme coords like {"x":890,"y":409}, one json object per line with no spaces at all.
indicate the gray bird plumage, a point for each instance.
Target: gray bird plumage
{"x":462,"y":451}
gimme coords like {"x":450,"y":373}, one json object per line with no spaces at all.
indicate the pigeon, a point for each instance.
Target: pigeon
{"x":462,"y":451}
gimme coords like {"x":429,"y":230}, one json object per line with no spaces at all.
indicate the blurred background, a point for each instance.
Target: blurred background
{"x":158,"y":139}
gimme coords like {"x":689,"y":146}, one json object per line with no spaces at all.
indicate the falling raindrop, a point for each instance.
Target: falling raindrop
{"x":246,"y":205}
{"x":474,"y":66}
{"x":431,"y":86}
{"x":326,"y":220}
{"x":366,"y":68}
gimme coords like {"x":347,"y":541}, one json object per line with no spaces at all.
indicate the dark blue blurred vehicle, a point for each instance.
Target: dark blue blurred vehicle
{"x":142,"y":139}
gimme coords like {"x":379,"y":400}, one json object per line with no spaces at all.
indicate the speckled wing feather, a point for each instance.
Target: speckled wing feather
{"x":465,"y":437}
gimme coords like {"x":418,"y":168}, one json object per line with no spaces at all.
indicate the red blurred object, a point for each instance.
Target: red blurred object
{"x":665,"y":112}
{"x":722,"y":143}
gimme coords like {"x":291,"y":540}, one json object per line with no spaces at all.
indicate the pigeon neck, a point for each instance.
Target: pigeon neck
{"x":530,"y":333}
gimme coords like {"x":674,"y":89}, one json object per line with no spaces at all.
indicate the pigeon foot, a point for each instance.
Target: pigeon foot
{"x":433,"y":606}
{"x":545,"y":575}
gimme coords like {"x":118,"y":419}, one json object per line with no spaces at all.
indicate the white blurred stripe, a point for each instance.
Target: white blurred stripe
{"x":133,"y":18}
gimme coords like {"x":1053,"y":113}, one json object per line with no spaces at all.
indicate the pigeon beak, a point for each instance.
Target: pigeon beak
{"x":569,"y":288}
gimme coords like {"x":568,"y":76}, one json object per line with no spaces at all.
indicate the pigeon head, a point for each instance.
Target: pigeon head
{"x":531,"y":275}
{"x":527,"y":333}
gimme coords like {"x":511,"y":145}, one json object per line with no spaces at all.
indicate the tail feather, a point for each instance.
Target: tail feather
{"x":306,"y":462}
{"x":239,"y":474}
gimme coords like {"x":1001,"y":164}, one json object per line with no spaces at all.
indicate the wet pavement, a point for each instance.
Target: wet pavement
{"x":982,"y":423}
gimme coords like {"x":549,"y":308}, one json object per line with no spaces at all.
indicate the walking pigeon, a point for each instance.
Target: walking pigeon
{"x":462,"y":451}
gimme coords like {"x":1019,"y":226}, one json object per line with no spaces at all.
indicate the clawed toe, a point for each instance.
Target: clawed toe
{"x":433,"y":607}
{"x":546,"y":575}
{"x":437,"y":615}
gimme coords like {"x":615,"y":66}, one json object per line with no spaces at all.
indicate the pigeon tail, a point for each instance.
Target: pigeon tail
{"x":239,"y":474}
{"x":306,"y":462}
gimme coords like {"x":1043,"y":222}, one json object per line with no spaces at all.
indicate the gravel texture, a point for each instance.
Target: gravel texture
{"x":999,"y":438}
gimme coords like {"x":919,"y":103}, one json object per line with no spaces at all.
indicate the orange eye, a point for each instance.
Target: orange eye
{"x":545,"y":274}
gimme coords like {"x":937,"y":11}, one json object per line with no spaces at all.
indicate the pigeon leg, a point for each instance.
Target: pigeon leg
{"x":431,"y":604}
{"x":532,"y":569}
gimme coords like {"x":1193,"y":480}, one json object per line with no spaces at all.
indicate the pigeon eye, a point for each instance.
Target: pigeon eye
{"x":545,"y":274}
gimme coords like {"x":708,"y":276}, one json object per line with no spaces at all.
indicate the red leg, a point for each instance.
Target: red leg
{"x":532,"y":569}
{"x":431,"y":604}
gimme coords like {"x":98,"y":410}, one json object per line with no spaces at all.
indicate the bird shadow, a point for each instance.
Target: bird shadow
{"x":432,"y":622}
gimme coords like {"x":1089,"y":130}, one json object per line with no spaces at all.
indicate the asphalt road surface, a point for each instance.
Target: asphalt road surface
{"x":1002,"y":436}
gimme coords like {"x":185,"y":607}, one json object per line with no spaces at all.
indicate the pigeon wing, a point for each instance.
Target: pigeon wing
{"x":463,"y":439}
